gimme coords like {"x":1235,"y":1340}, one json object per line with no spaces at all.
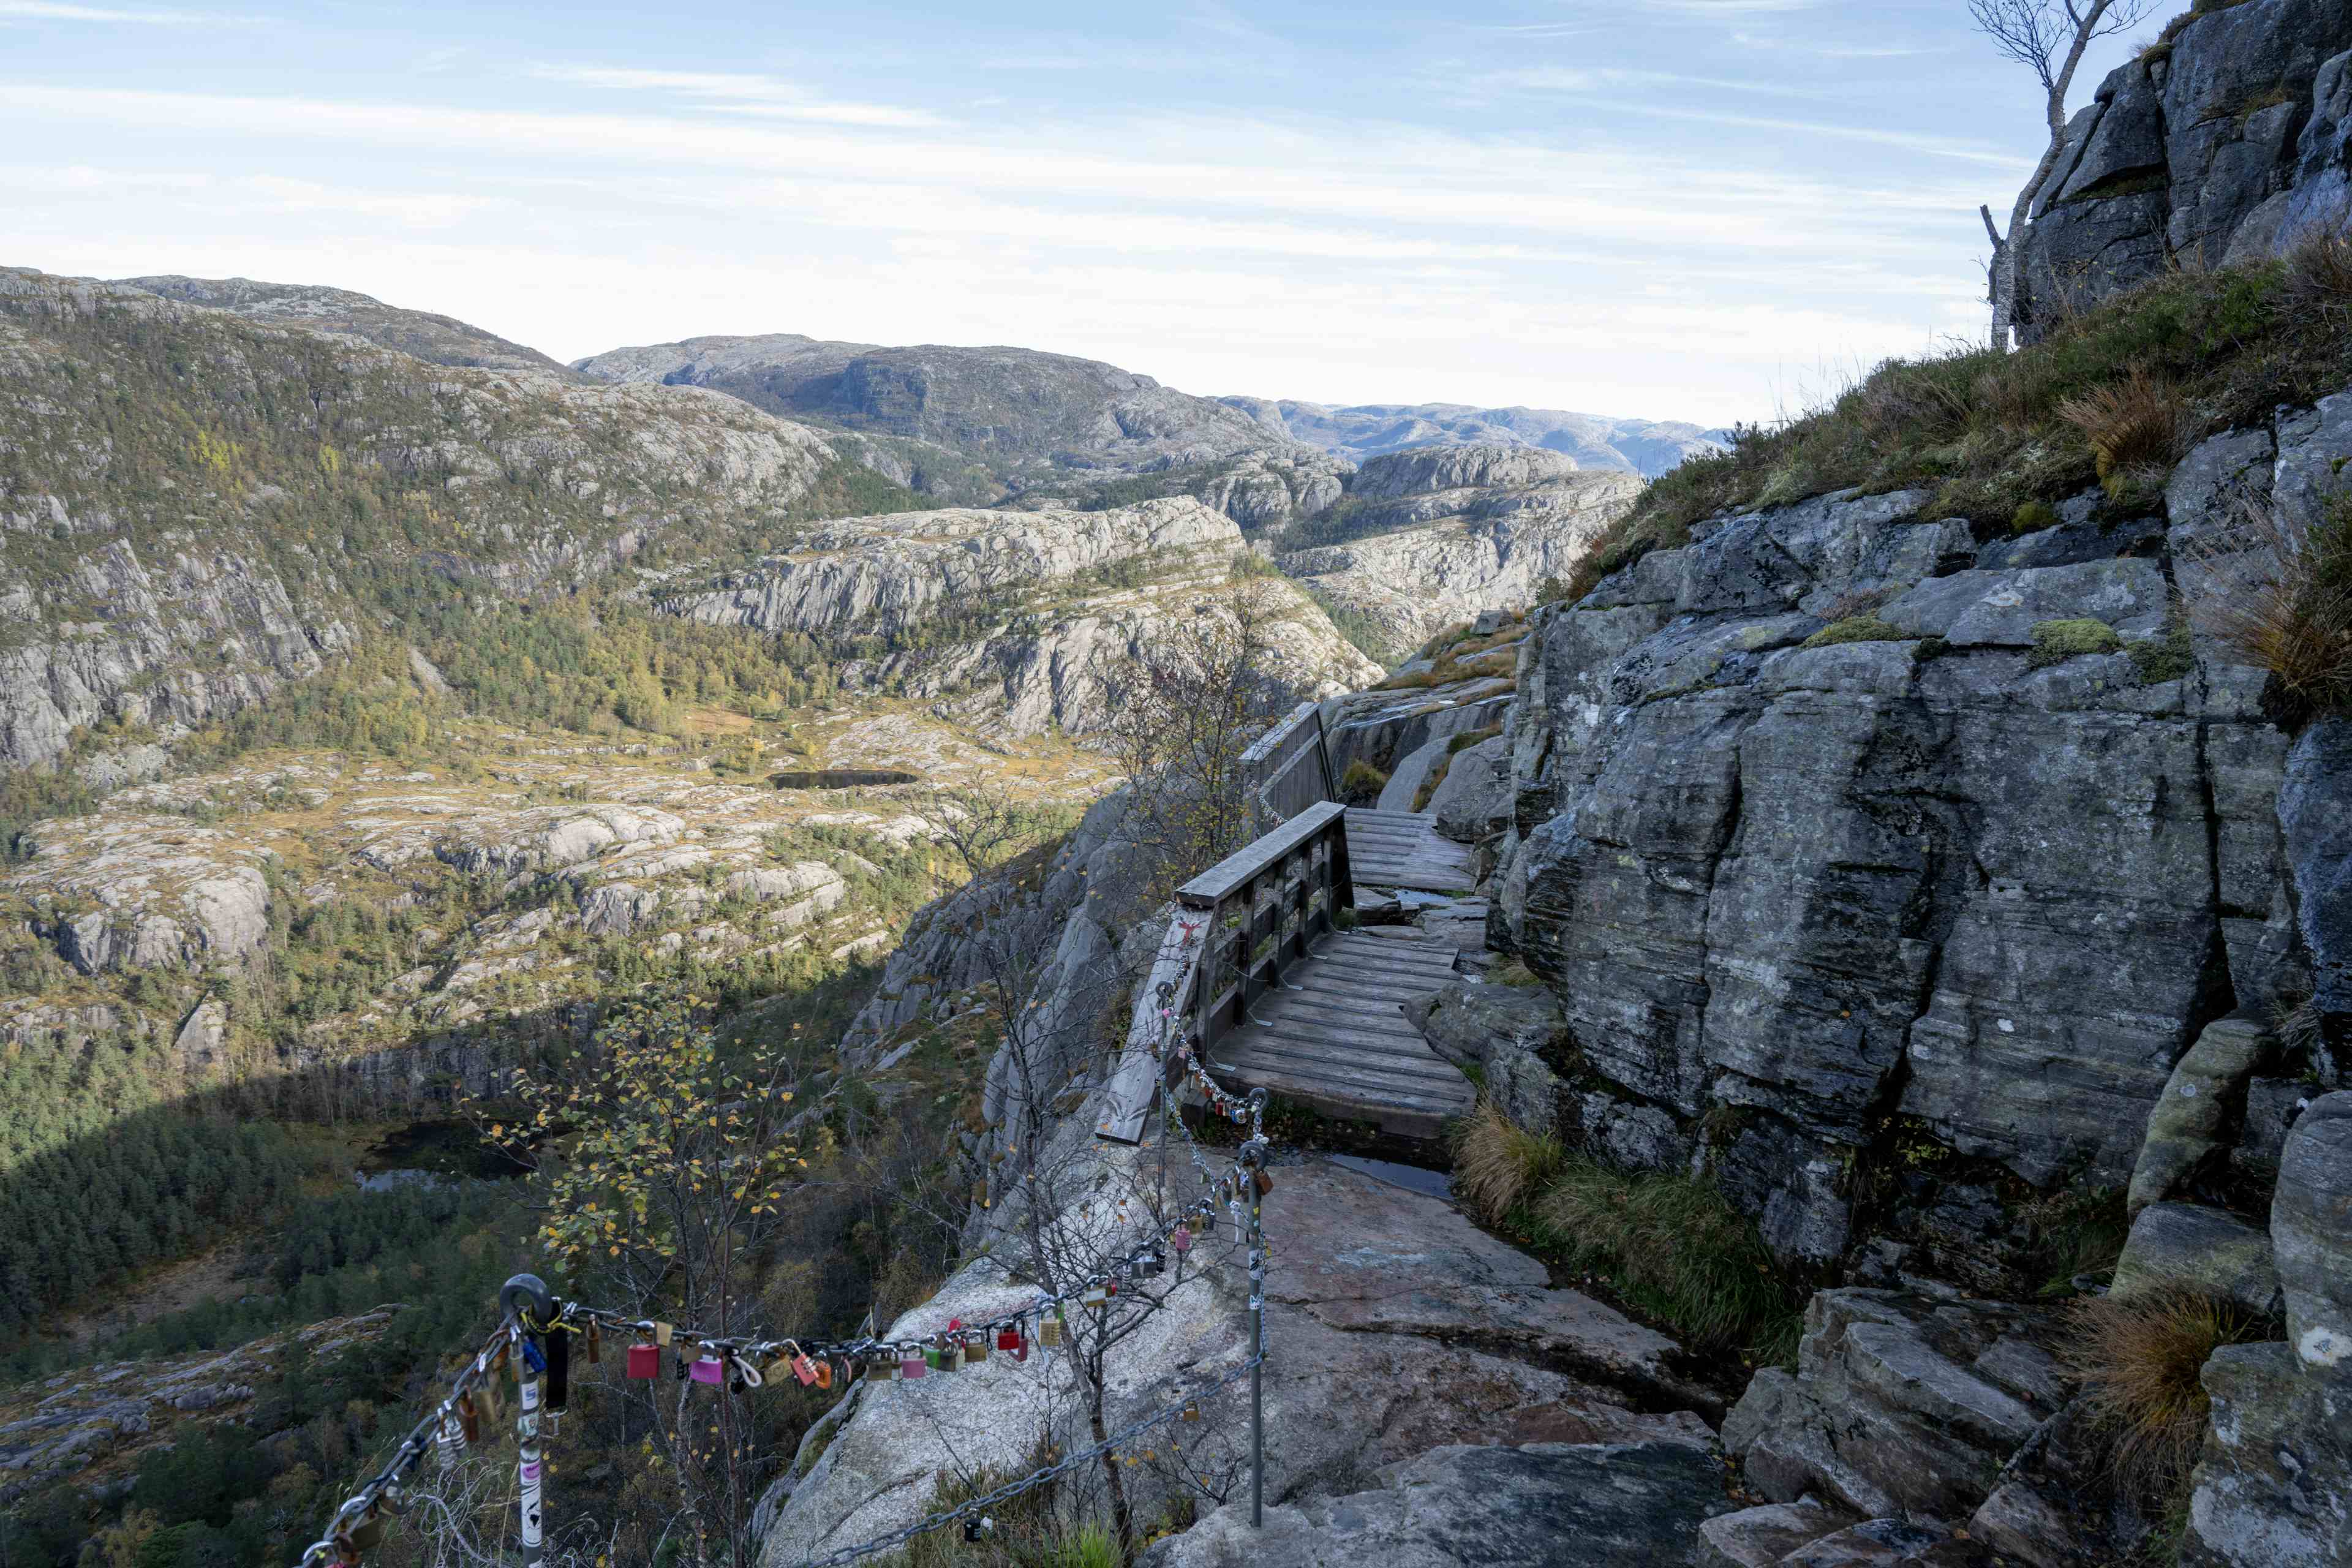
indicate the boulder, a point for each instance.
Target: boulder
{"x":2204,"y":1248}
{"x":2311,"y":1224}
{"x":1900,"y":1403}
{"x":2315,"y":813}
{"x":1474,"y":800}
{"x":2187,"y":1125}
{"x":2273,"y":1486}
{"x":1762,"y":1536}
{"x":1510,"y":1033}
{"x":1540,"y":1506}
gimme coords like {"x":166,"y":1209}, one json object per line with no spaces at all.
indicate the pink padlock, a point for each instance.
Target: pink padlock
{"x":912,"y":1366}
{"x":1181,"y":1240}
{"x":710,"y":1369}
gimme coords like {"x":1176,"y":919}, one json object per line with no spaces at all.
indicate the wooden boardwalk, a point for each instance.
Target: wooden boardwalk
{"x":1332,"y":1035}
{"x":1403,"y":849}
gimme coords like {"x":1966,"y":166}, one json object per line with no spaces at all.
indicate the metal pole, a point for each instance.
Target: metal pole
{"x":527,"y":1465}
{"x":1258,"y":1366}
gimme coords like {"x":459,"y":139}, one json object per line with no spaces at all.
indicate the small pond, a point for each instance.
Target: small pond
{"x":1412,"y":1178}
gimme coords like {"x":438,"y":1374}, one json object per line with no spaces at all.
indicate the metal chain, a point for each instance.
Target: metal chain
{"x":334,"y":1547}
{"x":1038,"y":1478}
{"x":381,"y":1491}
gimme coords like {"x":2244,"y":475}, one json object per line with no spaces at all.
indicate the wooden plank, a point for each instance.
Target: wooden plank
{"x":1309,"y":1086}
{"x":1227,"y":876}
{"x":1308,"y":1057}
{"x":1304,"y":1063}
{"x":1374,"y":1018}
{"x":1345,"y":1048}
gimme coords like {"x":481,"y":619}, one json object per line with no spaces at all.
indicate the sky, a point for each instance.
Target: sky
{"x":1712,"y":210}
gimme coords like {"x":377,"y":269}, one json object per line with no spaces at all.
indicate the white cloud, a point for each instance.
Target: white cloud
{"x":736,"y":92}
{"x":48,"y":11}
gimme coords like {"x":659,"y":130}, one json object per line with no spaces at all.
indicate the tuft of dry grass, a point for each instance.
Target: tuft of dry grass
{"x":2279,"y":595}
{"x":2319,"y":272}
{"x":2139,"y":1358}
{"x":1499,"y":1165}
{"x":2138,"y":422}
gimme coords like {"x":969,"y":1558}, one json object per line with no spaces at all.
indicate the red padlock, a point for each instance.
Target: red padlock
{"x":645,"y":1360}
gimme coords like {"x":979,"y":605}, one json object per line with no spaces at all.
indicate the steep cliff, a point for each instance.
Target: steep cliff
{"x":1013,"y":621}
{"x":2228,"y":141}
{"x":1939,"y":874}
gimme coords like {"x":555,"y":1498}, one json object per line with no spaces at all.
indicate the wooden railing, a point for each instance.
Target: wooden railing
{"x":1236,"y":926}
{"x":1289,"y":767}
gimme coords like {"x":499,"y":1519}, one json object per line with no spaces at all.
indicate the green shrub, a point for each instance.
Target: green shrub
{"x":2033,"y":517}
{"x":2054,"y":642}
{"x":1362,"y":781}
{"x":1854,"y":628}
{"x":1470,"y":737}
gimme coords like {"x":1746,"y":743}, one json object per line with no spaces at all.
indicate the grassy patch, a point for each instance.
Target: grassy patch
{"x":2054,"y":642}
{"x":1986,"y":433}
{"x":2170,"y":656}
{"x":1470,"y":737}
{"x":1668,"y":1244}
{"x":1362,"y":781}
{"x":2033,"y":517}
{"x":1854,"y":628}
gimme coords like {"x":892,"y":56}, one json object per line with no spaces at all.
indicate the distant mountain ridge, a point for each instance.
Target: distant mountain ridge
{"x":314,"y":307}
{"x":1359,"y":431}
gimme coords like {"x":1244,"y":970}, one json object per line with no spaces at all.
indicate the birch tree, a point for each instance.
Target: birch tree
{"x":2050,"y":38}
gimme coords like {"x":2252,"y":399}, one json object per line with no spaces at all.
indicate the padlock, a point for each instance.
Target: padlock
{"x":369,"y":1534}
{"x":1192,"y":1412}
{"x":1262,"y":1182}
{"x":803,"y":1368}
{"x":645,"y":1360}
{"x":451,"y":1442}
{"x":559,"y":1377}
{"x":1008,"y":1338}
{"x":1180,"y":1239}
{"x":975,"y":1347}
{"x":824,"y":1374}
{"x":979,"y":1528}
{"x":1050,"y":1330}
{"x":469,"y":1420}
{"x":1094,"y":1295}
{"x":913,"y":1366}
{"x":596,"y":1343}
{"x":707,"y":1368}
{"x":936,"y":1358}
{"x":662,"y":1333}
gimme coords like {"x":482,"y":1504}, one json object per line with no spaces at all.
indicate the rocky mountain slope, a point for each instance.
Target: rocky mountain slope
{"x":2227,"y":141}
{"x":1359,"y":431}
{"x":1431,"y":537}
{"x":198,"y":509}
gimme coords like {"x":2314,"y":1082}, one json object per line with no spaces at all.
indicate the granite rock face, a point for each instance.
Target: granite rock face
{"x":1534,"y":1506}
{"x":1370,"y":1283}
{"x":1819,"y":887}
{"x":2232,"y":142}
